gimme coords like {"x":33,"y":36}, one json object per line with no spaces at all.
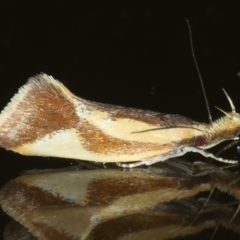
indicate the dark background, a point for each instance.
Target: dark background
{"x":129,"y":53}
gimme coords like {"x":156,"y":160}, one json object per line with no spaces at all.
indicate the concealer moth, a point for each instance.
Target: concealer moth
{"x":44,"y":118}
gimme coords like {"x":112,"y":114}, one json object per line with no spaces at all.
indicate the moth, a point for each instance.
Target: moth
{"x":44,"y":118}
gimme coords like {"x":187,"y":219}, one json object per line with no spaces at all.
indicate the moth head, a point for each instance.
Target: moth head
{"x":225,"y":128}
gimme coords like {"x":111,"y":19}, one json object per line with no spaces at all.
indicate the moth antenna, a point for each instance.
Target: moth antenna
{"x":199,"y":73}
{"x":223,"y":112}
{"x":155,"y":129}
{"x":230,"y":101}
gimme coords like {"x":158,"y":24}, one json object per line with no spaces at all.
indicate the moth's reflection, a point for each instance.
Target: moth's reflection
{"x":90,"y":202}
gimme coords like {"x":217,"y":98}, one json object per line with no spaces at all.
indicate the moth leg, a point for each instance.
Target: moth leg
{"x":208,"y":154}
{"x":136,"y":164}
{"x":131,"y":165}
{"x":176,"y":153}
{"x":150,"y":161}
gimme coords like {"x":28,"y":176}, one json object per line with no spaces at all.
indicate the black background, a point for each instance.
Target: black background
{"x":129,"y":53}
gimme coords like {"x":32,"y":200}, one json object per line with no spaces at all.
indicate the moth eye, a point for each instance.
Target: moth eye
{"x":199,"y":141}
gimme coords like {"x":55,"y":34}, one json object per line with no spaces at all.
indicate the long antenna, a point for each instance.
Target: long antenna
{"x":199,"y":74}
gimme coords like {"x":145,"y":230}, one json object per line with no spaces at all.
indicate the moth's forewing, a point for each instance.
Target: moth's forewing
{"x":44,"y":118}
